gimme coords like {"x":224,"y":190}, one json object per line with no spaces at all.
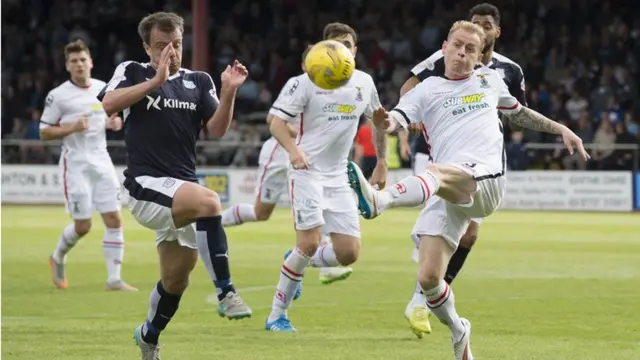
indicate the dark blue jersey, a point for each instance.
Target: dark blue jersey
{"x":434,"y":66}
{"x":161,"y":130}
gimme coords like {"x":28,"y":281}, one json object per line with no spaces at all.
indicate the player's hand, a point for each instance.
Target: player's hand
{"x":379,"y":175}
{"x":234,"y":75}
{"x":299,"y":160}
{"x":114,"y":123}
{"x":573,"y":141}
{"x":162,"y":71}
{"x":82,"y":124}
{"x":381,"y":119}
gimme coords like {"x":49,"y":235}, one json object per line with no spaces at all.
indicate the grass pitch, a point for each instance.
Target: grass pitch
{"x":537,"y":286}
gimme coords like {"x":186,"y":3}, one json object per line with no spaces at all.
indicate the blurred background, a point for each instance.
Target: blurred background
{"x":580,"y":59}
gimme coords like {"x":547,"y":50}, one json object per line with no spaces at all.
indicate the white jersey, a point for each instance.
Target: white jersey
{"x":328,"y":120}
{"x":65,"y":105}
{"x":272,"y":153}
{"x":460,"y":117}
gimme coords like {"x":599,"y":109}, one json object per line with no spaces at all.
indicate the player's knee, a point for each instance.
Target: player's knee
{"x":263,"y":213}
{"x":347,"y":254}
{"x":429,"y":278}
{"x":175,"y":284}
{"x":209,"y":204}
{"x":468,"y":239}
{"x":82,"y":227}
{"x":112,"y":220}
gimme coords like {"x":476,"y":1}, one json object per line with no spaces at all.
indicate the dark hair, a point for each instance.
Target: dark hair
{"x":336,"y":29}
{"x":486,"y":9}
{"x":163,"y":21}
{"x":75,"y":47}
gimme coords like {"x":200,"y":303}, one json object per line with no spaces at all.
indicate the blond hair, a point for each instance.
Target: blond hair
{"x":468,"y":26}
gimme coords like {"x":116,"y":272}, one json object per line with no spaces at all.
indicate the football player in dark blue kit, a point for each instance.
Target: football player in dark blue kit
{"x":165,"y":107}
{"x":486,"y":16}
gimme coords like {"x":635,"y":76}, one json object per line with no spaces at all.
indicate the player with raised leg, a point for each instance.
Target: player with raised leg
{"x":467,"y":178}
{"x":165,"y":109}
{"x":74,"y":115}
{"x":486,"y":16}
{"x":272,"y":184}
{"x":320,"y":195}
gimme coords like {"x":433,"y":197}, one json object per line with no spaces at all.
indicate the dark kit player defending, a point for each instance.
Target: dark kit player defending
{"x":165,"y":107}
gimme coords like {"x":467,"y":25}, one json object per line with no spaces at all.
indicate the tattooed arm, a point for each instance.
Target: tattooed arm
{"x":380,"y":143}
{"x":531,"y":119}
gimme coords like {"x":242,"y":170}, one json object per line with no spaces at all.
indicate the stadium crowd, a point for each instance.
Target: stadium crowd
{"x":581,"y":61}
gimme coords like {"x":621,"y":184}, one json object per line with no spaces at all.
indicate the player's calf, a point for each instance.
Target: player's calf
{"x":194,"y":203}
{"x":68,"y":239}
{"x":113,"y":250}
{"x":460,"y":256}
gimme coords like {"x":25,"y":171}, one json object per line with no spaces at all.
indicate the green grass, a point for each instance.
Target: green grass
{"x":537,"y":286}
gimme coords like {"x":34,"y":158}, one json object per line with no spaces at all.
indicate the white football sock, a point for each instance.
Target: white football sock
{"x":441,"y":301}
{"x":324,"y":257}
{"x":238,"y":214}
{"x":291,"y":274}
{"x":67,"y":241}
{"x":409,"y":192}
{"x":113,"y":250}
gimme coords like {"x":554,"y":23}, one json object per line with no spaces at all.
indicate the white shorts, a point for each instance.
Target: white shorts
{"x":315,"y":204}
{"x":89,"y":186}
{"x":272,"y":172}
{"x":150,"y":201}
{"x":420,"y":163}
{"x":442,"y":218}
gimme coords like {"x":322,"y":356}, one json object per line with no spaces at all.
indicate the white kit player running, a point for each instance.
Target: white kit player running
{"x":321,"y":199}
{"x":467,"y":179}
{"x":273,"y":165}
{"x":74,"y":114}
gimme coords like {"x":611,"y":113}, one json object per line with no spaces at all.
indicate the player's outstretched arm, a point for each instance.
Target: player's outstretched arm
{"x":533,"y":120}
{"x":232,"y":78}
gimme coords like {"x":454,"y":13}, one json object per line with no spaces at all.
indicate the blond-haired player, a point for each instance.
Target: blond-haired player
{"x":467,"y":179}
{"x":73,"y":114}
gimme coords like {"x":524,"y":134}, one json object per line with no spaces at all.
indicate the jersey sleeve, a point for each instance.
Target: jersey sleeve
{"x":209,"y":96}
{"x":429,"y":67}
{"x":52,"y":113}
{"x":517,"y":85}
{"x":125,"y":75}
{"x":374,"y":102}
{"x":410,"y":107}
{"x":292,"y":100}
{"x":507,"y":103}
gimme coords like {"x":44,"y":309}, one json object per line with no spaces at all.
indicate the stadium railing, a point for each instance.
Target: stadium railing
{"x":560,"y":190}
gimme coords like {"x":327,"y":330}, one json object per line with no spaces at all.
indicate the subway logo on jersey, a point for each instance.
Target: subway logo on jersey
{"x":339,"y":108}
{"x":463,"y":100}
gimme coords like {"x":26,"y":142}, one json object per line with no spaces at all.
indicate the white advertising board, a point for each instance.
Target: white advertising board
{"x":526,"y":190}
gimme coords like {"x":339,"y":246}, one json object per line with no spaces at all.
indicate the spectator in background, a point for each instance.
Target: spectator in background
{"x":575,"y":105}
{"x":517,"y":157}
{"x":623,"y":157}
{"x":604,"y":140}
{"x":364,"y":151}
{"x":33,"y":153}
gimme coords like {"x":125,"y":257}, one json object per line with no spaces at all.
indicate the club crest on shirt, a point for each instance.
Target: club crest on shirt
{"x":359,"y":94}
{"x":189,"y":84}
{"x":484,"y":83}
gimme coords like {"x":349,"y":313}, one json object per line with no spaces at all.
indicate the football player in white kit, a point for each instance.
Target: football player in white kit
{"x":467,"y":179}
{"x":321,"y":199}
{"x":74,"y":114}
{"x":272,"y":184}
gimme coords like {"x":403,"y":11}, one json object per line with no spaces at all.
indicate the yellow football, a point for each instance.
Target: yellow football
{"x":329,"y":64}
